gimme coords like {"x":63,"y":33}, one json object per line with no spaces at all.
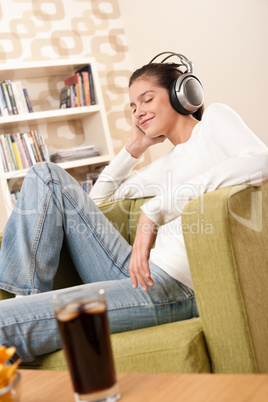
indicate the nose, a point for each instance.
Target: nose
{"x":139,"y":112}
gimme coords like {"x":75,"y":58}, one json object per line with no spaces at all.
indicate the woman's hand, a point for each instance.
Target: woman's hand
{"x":139,"y":142}
{"x":139,"y":263}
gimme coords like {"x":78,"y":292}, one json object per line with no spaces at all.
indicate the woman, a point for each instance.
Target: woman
{"x":144,"y":287}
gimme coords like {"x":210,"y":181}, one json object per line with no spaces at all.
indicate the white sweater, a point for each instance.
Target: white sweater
{"x":221,"y":151}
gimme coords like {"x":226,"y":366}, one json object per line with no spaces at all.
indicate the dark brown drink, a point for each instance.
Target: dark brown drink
{"x":85,"y":335}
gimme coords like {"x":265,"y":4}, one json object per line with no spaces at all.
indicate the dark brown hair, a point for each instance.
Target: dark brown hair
{"x":163,"y":75}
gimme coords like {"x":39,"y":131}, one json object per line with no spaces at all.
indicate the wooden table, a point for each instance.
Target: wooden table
{"x":55,"y":386}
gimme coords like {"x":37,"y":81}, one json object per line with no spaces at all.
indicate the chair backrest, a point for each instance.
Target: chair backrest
{"x":228,"y":259}
{"x":124,"y":215}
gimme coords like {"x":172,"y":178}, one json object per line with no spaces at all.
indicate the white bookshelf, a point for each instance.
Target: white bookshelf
{"x":61,"y":128}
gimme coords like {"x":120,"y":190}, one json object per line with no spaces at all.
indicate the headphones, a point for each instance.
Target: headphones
{"x":186,"y":93}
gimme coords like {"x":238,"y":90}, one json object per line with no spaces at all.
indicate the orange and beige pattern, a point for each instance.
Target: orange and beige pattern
{"x":51,"y":29}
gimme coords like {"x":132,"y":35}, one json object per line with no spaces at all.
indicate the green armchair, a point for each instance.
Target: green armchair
{"x":226,"y":234}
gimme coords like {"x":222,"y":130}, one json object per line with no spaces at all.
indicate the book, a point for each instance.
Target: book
{"x":91,"y":82}
{"x":19,"y":97}
{"x":81,"y":91}
{"x":71,"y":154}
{"x":16,"y":152}
{"x":65,"y":101}
{"x":32,"y":146}
{"x":3,"y":105}
{"x":6,"y":96}
{"x":26,"y":150}
{"x":23,"y":157}
{"x":7,"y":153}
{"x":3,"y":158}
{"x":85,"y":78}
{"x":11,"y":97}
{"x":11,"y":151}
{"x":28,"y":101}
{"x":39,"y":155}
{"x":29,"y":148}
{"x":72,"y":96}
{"x":74,"y":82}
{"x":42,"y":146}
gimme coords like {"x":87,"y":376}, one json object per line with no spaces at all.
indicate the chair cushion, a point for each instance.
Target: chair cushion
{"x":177,"y":347}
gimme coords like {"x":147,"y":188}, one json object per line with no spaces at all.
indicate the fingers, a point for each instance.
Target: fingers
{"x":140,"y":274}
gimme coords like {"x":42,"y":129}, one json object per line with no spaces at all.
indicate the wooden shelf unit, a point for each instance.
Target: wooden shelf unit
{"x":60,"y":128}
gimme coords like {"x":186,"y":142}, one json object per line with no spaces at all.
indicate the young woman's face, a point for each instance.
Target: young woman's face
{"x":151,"y":108}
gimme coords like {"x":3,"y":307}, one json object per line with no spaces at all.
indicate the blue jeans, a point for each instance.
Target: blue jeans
{"x":52,"y":208}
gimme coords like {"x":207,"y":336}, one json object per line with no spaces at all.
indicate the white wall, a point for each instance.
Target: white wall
{"x":226,"y":40}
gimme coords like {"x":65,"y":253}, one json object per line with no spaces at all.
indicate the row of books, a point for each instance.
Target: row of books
{"x":67,"y":155}
{"x":78,"y":90}
{"x":22,"y":150}
{"x":14,"y":99}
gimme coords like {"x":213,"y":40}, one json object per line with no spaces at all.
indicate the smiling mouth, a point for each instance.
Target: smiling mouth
{"x":144,"y":122}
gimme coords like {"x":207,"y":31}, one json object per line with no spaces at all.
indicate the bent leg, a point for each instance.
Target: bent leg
{"x":52,"y":206}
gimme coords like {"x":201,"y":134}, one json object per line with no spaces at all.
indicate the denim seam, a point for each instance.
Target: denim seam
{"x":27,"y":322}
{"x":10,"y":288}
{"x":152,"y":305}
{"x":37,"y":239}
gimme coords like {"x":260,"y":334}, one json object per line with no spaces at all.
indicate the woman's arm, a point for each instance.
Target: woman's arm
{"x":111,"y":183}
{"x":249,"y":168}
{"x":143,"y":243}
{"x":246,"y":163}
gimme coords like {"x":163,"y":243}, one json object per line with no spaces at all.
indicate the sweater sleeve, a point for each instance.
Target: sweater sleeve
{"x":246,"y":163}
{"x":105,"y":189}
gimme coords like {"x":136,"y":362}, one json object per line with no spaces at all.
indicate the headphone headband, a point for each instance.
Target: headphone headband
{"x":186,"y":92}
{"x":187,"y":63}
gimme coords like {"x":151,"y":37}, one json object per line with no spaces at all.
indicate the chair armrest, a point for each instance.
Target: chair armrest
{"x":225,"y":234}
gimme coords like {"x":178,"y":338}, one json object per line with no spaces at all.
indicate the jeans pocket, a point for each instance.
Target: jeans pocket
{"x":189,"y":293}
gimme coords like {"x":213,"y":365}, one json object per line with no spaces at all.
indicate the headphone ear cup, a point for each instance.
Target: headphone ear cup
{"x":186,"y":94}
{"x":175,"y":101}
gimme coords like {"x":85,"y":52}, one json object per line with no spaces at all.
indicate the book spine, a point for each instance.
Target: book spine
{"x":72,"y":96}
{"x":16,"y":152}
{"x":21,"y":151}
{"x":19,"y":97}
{"x":7,"y":153}
{"x":86,"y":87}
{"x":40,"y":159}
{"x":31,"y":141}
{"x":41,"y":145}
{"x":11,"y":151}
{"x":68,"y":96}
{"x":77,"y":97}
{"x":29,"y":147}
{"x":91,"y":84}
{"x":81,"y":90}
{"x":3,"y":158}
{"x":64,"y":97}
{"x":11,"y":97}
{"x":28,"y":101}
{"x":3,"y":104}
{"x":26,"y":151}
{"x":9,"y":107}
